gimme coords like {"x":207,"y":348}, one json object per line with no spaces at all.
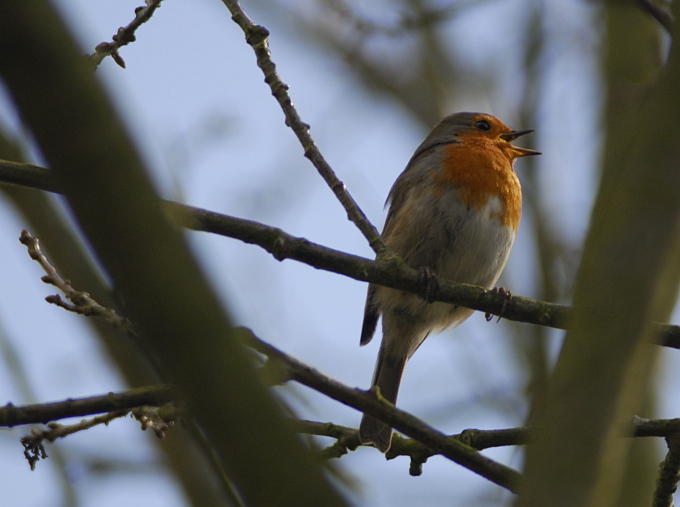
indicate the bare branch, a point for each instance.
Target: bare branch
{"x":159,"y":420}
{"x":144,"y":403}
{"x":124,"y":36}
{"x":348,"y":438}
{"x":408,"y":424}
{"x":257,"y":38}
{"x":82,"y":301}
{"x":669,"y":474}
{"x":390,"y":273}
{"x":34,"y":449}
{"x":11,"y":415}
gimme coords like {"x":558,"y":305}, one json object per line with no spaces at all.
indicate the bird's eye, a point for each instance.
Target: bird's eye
{"x":483,"y":125}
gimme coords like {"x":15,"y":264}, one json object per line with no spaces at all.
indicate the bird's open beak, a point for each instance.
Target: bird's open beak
{"x":521,"y":152}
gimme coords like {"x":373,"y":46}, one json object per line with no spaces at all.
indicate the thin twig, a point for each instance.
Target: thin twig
{"x":159,"y":420}
{"x":81,"y":302}
{"x":34,"y":450}
{"x":124,"y":36}
{"x":257,"y":38}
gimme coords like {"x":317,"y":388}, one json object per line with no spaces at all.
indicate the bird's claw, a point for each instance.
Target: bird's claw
{"x":506,"y":295}
{"x":430,"y":282}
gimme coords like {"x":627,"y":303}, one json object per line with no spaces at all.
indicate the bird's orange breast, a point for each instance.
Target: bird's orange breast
{"x":480,"y":171}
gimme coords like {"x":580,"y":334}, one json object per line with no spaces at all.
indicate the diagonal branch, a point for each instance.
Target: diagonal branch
{"x":34,"y":450}
{"x":81,"y":302}
{"x":124,"y":36}
{"x":408,"y":424}
{"x":257,"y":38}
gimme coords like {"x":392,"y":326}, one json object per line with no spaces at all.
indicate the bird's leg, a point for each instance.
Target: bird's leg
{"x":506,"y":295}
{"x":430,"y":282}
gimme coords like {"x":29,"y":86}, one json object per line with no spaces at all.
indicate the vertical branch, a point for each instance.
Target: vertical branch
{"x":669,"y":474}
{"x":628,"y":277}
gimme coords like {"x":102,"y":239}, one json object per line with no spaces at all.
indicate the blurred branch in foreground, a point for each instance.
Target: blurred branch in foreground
{"x":627,"y":279}
{"x":120,"y":216}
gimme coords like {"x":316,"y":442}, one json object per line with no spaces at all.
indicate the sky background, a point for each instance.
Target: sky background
{"x":214,"y":137}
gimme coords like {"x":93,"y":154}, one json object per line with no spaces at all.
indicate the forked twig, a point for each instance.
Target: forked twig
{"x":80,"y":302}
{"x":124,"y":36}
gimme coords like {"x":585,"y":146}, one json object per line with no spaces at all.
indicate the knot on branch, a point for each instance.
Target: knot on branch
{"x":415,"y":469}
{"x":256,"y":35}
{"x":157,"y":419}
{"x":278,"y":249}
{"x":337,"y":450}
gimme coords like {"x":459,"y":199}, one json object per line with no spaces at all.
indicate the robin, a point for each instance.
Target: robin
{"x":454,"y":212}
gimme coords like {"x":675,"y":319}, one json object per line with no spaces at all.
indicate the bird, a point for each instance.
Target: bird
{"x":453,"y":214}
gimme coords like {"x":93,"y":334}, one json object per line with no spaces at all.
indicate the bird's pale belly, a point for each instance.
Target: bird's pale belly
{"x":474,"y":249}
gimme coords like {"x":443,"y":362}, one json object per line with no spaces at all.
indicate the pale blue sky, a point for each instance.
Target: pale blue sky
{"x":215,"y":138}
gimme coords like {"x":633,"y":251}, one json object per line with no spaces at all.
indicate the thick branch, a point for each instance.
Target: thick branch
{"x":11,"y":415}
{"x":622,"y":286}
{"x":390,"y":273}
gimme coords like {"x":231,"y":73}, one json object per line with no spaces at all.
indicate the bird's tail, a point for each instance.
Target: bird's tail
{"x":387,"y":376}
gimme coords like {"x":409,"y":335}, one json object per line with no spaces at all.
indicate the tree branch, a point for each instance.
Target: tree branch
{"x":282,"y":368}
{"x":669,"y":474}
{"x":124,"y":36}
{"x":460,"y":448}
{"x":81,"y":302}
{"x":390,"y":273}
{"x":257,"y":38}
{"x":402,"y":421}
{"x":11,"y":415}
{"x":158,"y":419}
{"x":637,"y":427}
